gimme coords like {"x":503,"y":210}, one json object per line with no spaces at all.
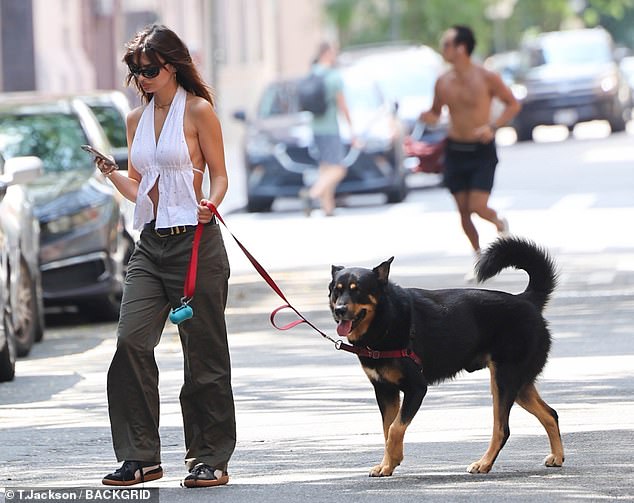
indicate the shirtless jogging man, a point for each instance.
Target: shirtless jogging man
{"x":470,"y":158}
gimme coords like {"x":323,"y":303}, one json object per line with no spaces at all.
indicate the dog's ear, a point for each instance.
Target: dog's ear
{"x":382,"y":271}
{"x":335,"y":269}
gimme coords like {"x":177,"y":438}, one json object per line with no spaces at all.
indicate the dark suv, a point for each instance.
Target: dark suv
{"x":567,"y":77}
{"x":279,"y":153}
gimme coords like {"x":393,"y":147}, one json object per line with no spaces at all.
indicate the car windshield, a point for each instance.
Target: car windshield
{"x":112,"y":123}
{"x":362,"y":94}
{"x":55,"y":138}
{"x":571,"y":50}
{"x":412,"y":82}
{"x":280,"y":98}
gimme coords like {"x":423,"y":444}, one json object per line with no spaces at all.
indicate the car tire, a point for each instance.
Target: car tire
{"x":26,"y":311}
{"x":102,"y":309}
{"x":524,"y":132}
{"x":8,"y":353}
{"x":617,"y":123}
{"x":259,"y":204}
{"x":398,"y":192}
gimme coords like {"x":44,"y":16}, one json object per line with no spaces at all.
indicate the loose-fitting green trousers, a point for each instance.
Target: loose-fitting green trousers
{"x":153,"y":285}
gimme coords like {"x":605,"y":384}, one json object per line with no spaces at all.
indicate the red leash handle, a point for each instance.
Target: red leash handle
{"x":190,"y":280}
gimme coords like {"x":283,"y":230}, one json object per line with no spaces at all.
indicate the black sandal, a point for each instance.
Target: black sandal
{"x":203,"y":475}
{"x":133,"y":472}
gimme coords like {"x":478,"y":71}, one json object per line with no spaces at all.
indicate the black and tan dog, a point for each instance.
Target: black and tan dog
{"x":408,"y":338}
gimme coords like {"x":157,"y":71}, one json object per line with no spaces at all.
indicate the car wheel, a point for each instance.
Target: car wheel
{"x":259,"y":204}
{"x":617,"y":124}
{"x":26,"y":312}
{"x":524,"y":132}
{"x":8,"y":352}
{"x":398,"y":192}
{"x":103,"y":309}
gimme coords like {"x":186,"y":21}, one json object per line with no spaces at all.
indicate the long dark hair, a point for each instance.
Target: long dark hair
{"x":162,"y":46}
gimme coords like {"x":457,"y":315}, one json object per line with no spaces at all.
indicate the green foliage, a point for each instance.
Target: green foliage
{"x":424,"y":21}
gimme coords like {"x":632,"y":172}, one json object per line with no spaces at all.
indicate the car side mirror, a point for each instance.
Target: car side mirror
{"x":19,"y":170}
{"x":240,"y":115}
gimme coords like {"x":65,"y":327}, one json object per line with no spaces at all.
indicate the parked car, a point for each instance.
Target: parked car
{"x":280,"y":156}
{"x":83,"y":241}
{"x":14,"y":335}
{"x":506,"y":64}
{"x":111,"y":108}
{"x":405,"y":74}
{"x":627,"y":67}
{"x":571,"y":76}
{"x":22,"y":240}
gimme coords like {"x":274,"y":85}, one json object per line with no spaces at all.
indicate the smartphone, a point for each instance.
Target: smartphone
{"x":98,"y":154}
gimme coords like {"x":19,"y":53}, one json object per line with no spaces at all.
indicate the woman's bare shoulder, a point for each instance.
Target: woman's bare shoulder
{"x":199,"y":105}
{"x":134,"y":115}
{"x":201,"y":111}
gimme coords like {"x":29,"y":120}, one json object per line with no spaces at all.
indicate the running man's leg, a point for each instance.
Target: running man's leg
{"x":462,"y":199}
{"x":478,"y":203}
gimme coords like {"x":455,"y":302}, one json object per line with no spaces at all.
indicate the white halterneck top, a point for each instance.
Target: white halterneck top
{"x":168,"y":162}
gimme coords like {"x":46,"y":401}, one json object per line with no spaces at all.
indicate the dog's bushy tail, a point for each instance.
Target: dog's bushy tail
{"x":523,"y":254}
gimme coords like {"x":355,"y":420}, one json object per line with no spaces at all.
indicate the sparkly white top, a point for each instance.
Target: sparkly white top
{"x":168,"y":162}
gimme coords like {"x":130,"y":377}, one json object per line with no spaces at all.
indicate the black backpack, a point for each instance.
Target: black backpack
{"x":311,"y":93}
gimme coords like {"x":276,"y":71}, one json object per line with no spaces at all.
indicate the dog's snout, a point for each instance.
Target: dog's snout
{"x":341,"y":309}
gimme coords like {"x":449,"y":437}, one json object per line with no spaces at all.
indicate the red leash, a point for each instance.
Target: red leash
{"x":190,"y":285}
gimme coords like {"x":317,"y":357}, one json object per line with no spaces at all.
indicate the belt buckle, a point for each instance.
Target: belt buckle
{"x":178,"y":229}
{"x":159,"y":234}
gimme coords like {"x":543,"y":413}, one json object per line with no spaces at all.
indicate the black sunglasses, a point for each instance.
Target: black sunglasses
{"x":149,"y":72}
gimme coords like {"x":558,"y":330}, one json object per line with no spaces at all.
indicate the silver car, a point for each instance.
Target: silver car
{"x":84,"y":245}
{"x":20,"y":289}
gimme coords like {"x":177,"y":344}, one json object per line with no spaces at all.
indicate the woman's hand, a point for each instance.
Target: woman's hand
{"x":106,"y":166}
{"x":204,"y":213}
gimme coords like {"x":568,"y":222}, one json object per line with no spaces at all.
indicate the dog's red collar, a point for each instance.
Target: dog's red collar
{"x":379,"y":355}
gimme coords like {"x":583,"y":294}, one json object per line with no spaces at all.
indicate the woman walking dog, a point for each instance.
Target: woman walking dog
{"x":171,"y":138}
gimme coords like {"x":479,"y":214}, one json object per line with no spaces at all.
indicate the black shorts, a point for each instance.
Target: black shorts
{"x":469,"y":166}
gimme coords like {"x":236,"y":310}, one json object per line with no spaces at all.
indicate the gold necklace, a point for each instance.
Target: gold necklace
{"x":162,"y":107}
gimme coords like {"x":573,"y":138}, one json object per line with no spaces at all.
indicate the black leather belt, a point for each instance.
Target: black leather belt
{"x":166,"y":232}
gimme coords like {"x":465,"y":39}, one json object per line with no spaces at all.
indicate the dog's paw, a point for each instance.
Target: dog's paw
{"x":479,"y":467}
{"x":553,"y":461}
{"x":381,"y":471}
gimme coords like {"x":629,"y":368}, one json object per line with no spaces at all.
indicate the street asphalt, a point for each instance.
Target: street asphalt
{"x":308,"y":425}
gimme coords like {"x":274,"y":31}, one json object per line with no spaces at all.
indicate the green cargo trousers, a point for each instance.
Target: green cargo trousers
{"x":154,"y":284}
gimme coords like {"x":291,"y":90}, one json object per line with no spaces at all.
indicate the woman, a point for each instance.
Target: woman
{"x":326,"y":133}
{"x":172,"y":137}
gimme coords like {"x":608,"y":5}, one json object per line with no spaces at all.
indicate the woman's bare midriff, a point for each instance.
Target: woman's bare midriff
{"x":198,"y":190}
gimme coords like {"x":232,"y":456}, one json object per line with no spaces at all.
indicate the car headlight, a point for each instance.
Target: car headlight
{"x":608,"y":83}
{"x":519,"y":91}
{"x":67,"y":223}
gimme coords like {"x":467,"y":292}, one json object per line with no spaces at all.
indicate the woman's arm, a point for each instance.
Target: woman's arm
{"x":128,"y":186}
{"x":209,"y":133}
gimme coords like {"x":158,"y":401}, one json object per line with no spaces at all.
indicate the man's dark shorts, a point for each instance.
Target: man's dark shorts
{"x":469,"y":166}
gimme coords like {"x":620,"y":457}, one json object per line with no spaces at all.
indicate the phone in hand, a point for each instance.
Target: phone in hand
{"x":98,"y":155}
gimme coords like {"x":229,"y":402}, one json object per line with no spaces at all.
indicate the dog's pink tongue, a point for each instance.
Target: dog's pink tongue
{"x":344,"y":327}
